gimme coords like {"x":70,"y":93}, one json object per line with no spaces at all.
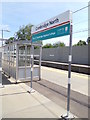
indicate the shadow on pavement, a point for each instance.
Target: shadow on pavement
{"x":5,"y":80}
{"x":17,"y":93}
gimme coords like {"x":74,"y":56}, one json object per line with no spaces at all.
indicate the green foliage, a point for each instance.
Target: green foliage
{"x":24,"y":33}
{"x":48,"y":46}
{"x":61,"y":44}
{"x":80,"y":43}
{"x":75,"y":45}
{"x":55,"y":45}
{"x":36,"y":47}
{"x":9,"y":40}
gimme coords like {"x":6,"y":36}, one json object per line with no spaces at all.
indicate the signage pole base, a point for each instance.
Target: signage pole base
{"x":31,"y":90}
{"x":1,"y":86}
{"x":67,"y":117}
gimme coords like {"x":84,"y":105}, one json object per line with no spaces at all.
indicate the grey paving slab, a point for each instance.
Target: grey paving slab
{"x":17,"y":103}
{"x":79,"y":82}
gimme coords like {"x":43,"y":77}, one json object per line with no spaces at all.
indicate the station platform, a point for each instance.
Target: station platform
{"x":16,"y":102}
{"x":85,"y":69}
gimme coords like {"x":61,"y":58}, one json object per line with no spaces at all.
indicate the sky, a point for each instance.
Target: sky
{"x":16,"y":14}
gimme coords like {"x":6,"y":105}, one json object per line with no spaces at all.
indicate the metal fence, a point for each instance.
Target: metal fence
{"x":60,"y":54}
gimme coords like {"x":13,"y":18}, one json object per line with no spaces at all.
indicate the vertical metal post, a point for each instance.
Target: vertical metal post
{"x":17,"y":58}
{"x":1,"y":86}
{"x":25,"y":59}
{"x":32,"y":50}
{"x":13,"y":59}
{"x":40,"y":57}
{"x":32,"y":53}
{"x":2,"y":37}
{"x":69,"y":71}
{"x":9,"y":59}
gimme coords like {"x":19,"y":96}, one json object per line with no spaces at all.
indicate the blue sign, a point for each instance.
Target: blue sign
{"x":58,"y":31}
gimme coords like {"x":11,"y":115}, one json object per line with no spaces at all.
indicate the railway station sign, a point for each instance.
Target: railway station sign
{"x":58,"y":26}
{"x":55,"y":27}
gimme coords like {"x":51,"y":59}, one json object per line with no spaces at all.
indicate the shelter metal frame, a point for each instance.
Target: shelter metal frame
{"x":1,"y":70}
{"x":17,"y":59}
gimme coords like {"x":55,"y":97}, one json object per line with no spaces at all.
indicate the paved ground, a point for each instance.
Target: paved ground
{"x":79,"y":82}
{"x":58,"y":94}
{"x":52,"y":88}
{"x":18,"y":103}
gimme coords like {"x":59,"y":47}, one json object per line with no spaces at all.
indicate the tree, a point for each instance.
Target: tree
{"x":75,"y":45}
{"x":24,"y":33}
{"x":80,"y":43}
{"x":60,"y":44}
{"x":55,"y":45}
{"x":48,"y":46}
{"x":11,"y":39}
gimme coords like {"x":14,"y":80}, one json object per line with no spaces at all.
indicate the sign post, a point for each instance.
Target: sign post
{"x":68,"y":115}
{"x":69,"y":71}
{"x":31,"y":62}
{"x":58,"y":26}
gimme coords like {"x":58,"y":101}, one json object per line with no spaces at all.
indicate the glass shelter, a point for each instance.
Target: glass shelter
{"x":18,"y":57}
{"x":0,"y":69}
